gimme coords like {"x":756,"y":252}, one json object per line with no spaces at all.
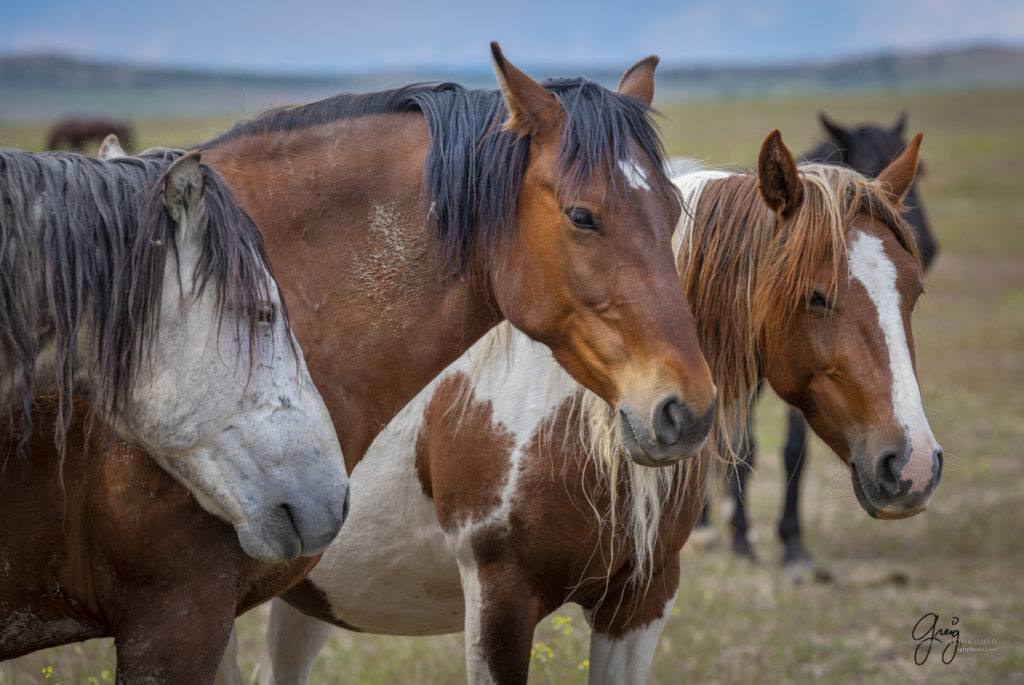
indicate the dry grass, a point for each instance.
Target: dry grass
{"x":735,"y":622}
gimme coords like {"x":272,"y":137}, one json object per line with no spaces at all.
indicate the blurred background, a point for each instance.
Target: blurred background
{"x":179,"y":73}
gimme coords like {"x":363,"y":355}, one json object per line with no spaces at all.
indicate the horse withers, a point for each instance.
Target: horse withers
{"x":141,"y":284}
{"x":503,"y":490}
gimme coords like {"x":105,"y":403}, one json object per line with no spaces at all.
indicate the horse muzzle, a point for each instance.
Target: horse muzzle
{"x":672,"y":431}
{"x":897,"y":483}
{"x":296,"y":526}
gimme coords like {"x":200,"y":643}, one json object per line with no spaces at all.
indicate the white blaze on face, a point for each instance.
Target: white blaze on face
{"x":870,"y":265}
{"x":635,"y":177}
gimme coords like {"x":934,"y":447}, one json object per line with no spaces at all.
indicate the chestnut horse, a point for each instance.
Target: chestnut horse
{"x":869,"y":149}
{"x":403,"y":225}
{"x":74,"y":133}
{"x":502,"y":491}
{"x":142,"y":284}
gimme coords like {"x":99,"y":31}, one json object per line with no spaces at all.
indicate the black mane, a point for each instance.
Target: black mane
{"x":473,"y":169}
{"x":83,"y":245}
{"x":869,"y":149}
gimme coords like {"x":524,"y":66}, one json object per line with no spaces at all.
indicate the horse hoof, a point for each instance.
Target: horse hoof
{"x":741,"y":547}
{"x":799,"y":570}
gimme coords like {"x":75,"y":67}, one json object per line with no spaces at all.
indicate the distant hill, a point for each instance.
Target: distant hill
{"x":952,"y":69}
{"x":44,"y":86}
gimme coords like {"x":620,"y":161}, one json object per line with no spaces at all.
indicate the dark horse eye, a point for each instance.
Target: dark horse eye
{"x":817,"y":301}
{"x":581,"y":218}
{"x":265,"y":315}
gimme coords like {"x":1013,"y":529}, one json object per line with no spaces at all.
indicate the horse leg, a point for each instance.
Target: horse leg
{"x":743,"y":447}
{"x":794,"y":553}
{"x":293,"y":642}
{"x":501,"y":614}
{"x":624,"y":635}
{"x":172,"y":640}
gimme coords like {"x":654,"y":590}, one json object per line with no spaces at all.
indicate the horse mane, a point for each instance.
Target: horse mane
{"x":83,"y":246}
{"x":473,"y":168}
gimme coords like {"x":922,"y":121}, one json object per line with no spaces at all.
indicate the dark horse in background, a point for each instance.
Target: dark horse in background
{"x":73,"y":133}
{"x":869,"y":149}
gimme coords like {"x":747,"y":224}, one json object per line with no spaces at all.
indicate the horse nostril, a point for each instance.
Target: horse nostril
{"x":674,"y":422}
{"x":937,"y":466}
{"x":887,"y":473}
{"x":670,"y":418}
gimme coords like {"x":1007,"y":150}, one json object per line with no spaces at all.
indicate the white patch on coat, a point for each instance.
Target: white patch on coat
{"x":477,"y":671}
{"x":870,"y":265}
{"x":627,"y":659}
{"x":635,"y":176}
{"x":392,"y":570}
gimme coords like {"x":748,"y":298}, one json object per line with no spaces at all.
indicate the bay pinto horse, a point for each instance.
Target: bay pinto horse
{"x":74,"y":132}
{"x":868,"y":148}
{"x":411,"y":221}
{"x":501,"y":492}
{"x":142,"y":284}
{"x":556,"y":215}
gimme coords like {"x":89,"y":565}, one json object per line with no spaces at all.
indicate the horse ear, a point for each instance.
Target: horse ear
{"x":531,"y":108}
{"x":900,"y":124}
{"x":897,"y":178}
{"x":638,"y":81}
{"x":837,"y":133}
{"x":183,"y":190}
{"x":111,"y":148}
{"x":778,"y":179}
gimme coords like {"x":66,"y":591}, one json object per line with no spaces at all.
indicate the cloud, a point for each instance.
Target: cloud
{"x":916,"y":24}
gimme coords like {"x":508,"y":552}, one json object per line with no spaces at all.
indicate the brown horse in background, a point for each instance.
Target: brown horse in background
{"x":74,"y":132}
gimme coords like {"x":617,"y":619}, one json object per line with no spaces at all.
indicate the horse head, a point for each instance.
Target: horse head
{"x":844,"y":354}
{"x":594,"y":222}
{"x":221,"y":397}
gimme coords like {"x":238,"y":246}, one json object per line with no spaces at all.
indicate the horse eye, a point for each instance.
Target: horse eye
{"x":581,"y":218}
{"x":266,"y":315}
{"x":817,"y":301}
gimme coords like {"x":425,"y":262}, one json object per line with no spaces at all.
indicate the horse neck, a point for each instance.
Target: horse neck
{"x":346,"y":234}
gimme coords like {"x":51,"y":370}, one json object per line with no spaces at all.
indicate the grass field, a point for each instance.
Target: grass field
{"x":735,"y":622}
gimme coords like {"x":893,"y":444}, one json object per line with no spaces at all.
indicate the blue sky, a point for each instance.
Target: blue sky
{"x":332,"y":37}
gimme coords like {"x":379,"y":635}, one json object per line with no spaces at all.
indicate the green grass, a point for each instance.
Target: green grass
{"x":735,"y":622}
